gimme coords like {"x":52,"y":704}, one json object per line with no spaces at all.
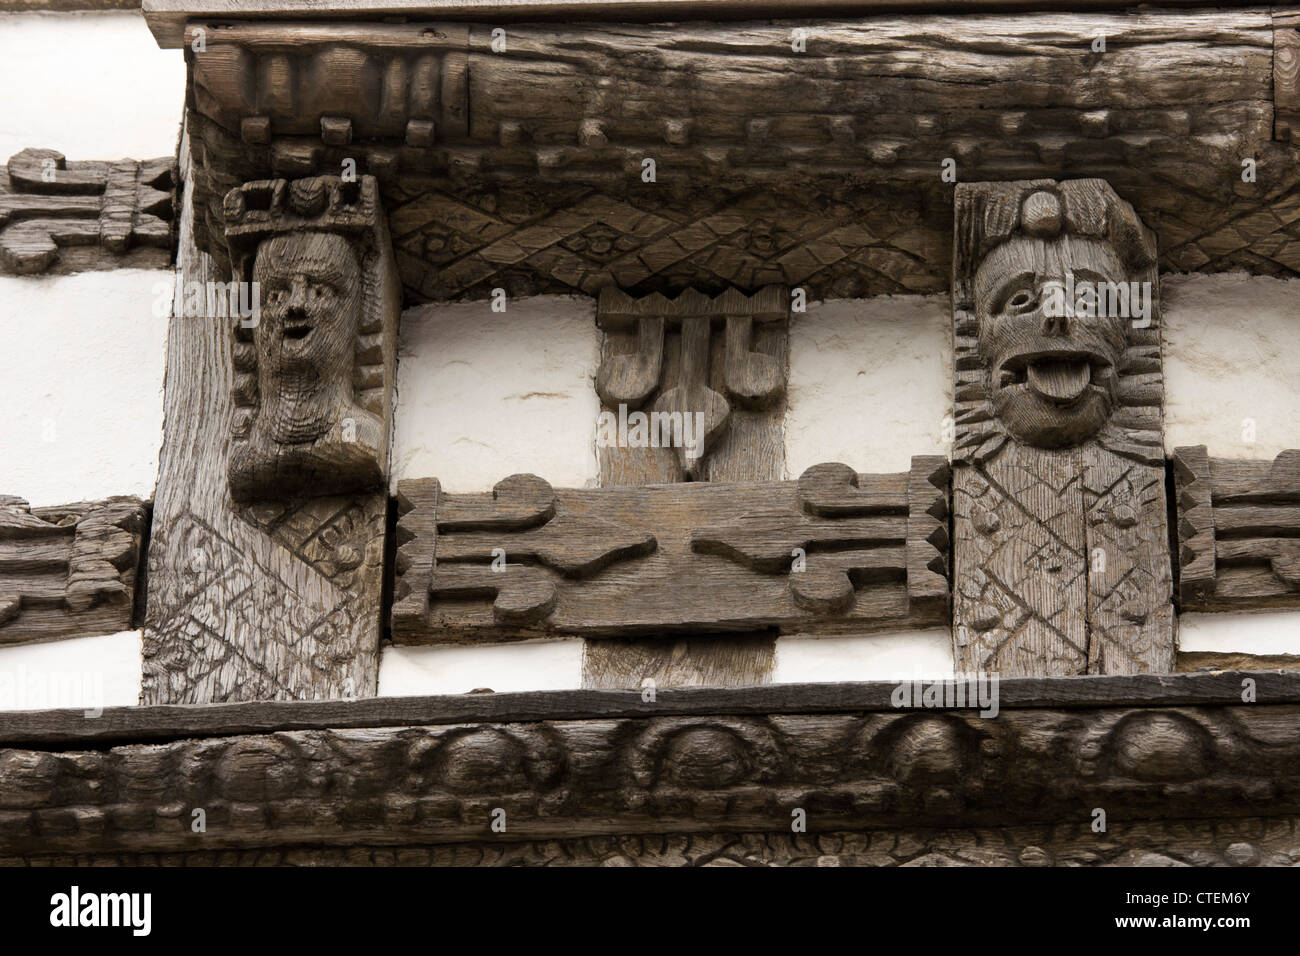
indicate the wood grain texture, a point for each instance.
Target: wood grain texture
{"x":277,"y":599}
{"x":1060,"y":531}
{"x":62,"y":217}
{"x":542,"y":192}
{"x":697,"y":556}
{"x":705,"y":662}
{"x":702,"y":774}
{"x":1238,"y":531}
{"x":68,"y":570}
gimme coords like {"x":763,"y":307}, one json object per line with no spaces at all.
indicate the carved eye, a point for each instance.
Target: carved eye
{"x":277,"y":297}
{"x":1022,"y":301}
{"x":318,"y":292}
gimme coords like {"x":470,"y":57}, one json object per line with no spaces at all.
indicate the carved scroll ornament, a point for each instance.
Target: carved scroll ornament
{"x":1238,"y":531}
{"x":314,"y":371}
{"x":67,"y":571}
{"x":834,"y":549}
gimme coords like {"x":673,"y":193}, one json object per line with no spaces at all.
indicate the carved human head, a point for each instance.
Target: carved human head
{"x":1053,"y":369}
{"x":310,"y":286}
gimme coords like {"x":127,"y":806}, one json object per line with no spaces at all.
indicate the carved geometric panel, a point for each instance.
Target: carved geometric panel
{"x":834,"y":550}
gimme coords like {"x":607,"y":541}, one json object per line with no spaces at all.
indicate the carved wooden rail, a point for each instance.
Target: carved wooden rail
{"x":67,"y":570}
{"x":1238,"y":531}
{"x":833,"y":550}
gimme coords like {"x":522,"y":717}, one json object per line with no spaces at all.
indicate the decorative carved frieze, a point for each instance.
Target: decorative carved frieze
{"x":1238,"y":531}
{"x":68,"y":570}
{"x":852,"y":769}
{"x":502,"y":169}
{"x":691,"y":367}
{"x":57,"y":216}
{"x":1062,"y":561}
{"x":314,"y":373}
{"x":834,"y":549}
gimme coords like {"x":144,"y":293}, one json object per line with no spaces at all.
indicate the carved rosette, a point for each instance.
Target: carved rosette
{"x":314,"y":367}
{"x":1062,"y":562}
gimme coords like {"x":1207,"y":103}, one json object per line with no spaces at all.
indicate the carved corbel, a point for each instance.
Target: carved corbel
{"x":314,"y":371}
{"x":69,"y":570}
{"x":1238,"y":531}
{"x":1061,"y":550}
{"x":694,"y":362}
{"x":835,"y":550}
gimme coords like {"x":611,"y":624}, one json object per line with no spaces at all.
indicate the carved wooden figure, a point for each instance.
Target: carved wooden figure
{"x":315,"y":369}
{"x":67,"y":571}
{"x":1060,"y":535}
{"x":835,"y":550}
{"x":690,"y":392}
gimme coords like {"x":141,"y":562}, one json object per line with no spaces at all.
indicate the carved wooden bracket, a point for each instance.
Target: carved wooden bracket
{"x":704,"y":376}
{"x":1061,"y":552}
{"x":57,"y":216}
{"x":314,"y":372}
{"x":1238,"y":531}
{"x":68,"y":570}
{"x":833,"y":550}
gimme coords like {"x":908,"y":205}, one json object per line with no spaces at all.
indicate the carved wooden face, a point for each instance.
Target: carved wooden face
{"x":1053,"y":377}
{"x":310,"y":286}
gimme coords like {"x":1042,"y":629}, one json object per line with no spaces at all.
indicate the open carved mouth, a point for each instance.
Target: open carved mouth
{"x":297,"y":330}
{"x":1061,"y":378}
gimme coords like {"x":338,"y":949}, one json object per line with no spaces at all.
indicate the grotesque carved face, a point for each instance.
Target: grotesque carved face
{"x":310,"y":286}
{"x":1053,"y":375}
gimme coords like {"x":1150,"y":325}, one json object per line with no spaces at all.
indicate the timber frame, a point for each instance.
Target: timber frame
{"x":383,"y":153}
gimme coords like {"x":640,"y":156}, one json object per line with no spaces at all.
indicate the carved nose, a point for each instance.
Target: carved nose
{"x":298,"y":298}
{"x":1055,"y":325}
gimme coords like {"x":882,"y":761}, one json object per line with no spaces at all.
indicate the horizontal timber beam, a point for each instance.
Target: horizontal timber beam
{"x":155,"y":723}
{"x":166,"y":18}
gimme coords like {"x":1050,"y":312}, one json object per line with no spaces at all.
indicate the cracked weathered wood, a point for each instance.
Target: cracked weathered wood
{"x":1060,"y":531}
{"x":1238,"y":531}
{"x":274,"y":599}
{"x":696,"y":556}
{"x":60,"y":217}
{"x":68,"y":570}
